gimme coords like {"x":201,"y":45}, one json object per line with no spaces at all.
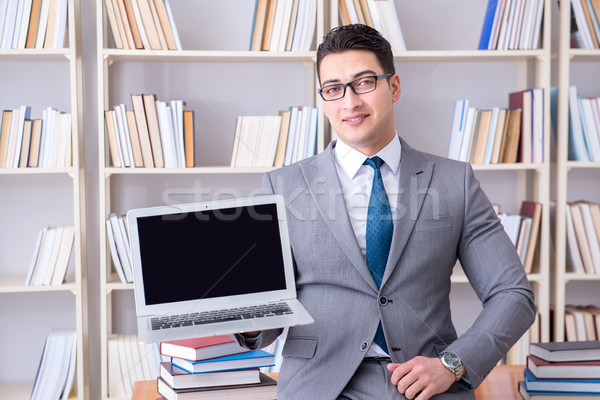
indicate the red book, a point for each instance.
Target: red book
{"x":201,"y":348}
{"x":572,"y":369}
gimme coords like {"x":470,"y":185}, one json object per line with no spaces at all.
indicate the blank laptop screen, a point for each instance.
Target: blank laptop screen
{"x":211,"y":253}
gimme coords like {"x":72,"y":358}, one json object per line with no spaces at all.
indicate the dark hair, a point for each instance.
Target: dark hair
{"x":357,"y":37}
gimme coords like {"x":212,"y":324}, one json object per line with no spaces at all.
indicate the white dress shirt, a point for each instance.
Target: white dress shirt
{"x":356,"y":180}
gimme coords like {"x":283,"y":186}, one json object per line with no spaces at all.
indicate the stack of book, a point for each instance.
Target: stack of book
{"x":45,"y":142}
{"x":283,"y":25}
{"x":130,"y":360}
{"x":214,"y":367}
{"x":118,"y":242}
{"x":582,"y":323}
{"x":56,"y":372}
{"x":560,"y":370}
{"x":51,"y":256}
{"x":587,"y":21}
{"x":584,"y":127}
{"x":155,"y":134}
{"x":33,"y":24}
{"x":142,"y":24}
{"x":277,"y":140}
{"x":523,"y":230}
{"x":583,"y":237}
{"x":499,"y":135}
{"x":512,"y":25}
{"x":378,"y":14}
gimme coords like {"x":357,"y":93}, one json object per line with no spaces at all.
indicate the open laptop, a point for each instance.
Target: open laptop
{"x":213,"y":268}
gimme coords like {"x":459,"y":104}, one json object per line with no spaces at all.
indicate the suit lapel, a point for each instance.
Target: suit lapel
{"x":415,"y":177}
{"x":324,"y":186}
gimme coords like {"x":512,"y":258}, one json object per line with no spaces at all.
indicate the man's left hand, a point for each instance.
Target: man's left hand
{"x":421,"y":377}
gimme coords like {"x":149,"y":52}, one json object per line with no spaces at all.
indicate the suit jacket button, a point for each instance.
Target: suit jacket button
{"x":364,"y":346}
{"x":383,"y":300}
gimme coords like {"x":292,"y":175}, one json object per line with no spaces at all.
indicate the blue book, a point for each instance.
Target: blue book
{"x":587,"y":386}
{"x":251,"y":359}
{"x":541,"y":395}
{"x":488,"y":22}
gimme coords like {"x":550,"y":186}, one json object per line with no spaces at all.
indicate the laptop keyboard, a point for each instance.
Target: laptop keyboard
{"x":229,"y":314}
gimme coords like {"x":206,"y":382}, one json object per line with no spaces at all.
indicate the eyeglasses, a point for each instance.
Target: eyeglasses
{"x":362,"y":85}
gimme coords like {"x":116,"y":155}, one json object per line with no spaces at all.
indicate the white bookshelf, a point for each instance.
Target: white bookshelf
{"x":226,"y":59}
{"x":35,"y":197}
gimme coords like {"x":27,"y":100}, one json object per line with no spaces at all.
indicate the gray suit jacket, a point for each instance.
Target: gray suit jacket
{"x":443,"y":215}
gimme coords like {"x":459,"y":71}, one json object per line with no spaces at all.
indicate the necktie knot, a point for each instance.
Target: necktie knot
{"x":374,"y":162}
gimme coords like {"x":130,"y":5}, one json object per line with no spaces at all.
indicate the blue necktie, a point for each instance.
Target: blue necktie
{"x":379,"y":233}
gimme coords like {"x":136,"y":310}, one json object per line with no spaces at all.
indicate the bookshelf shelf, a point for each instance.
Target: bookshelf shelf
{"x":36,"y":171}
{"x":206,"y":56}
{"x":580,"y":164}
{"x":467,"y":55}
{"x":572,"y":277}
{"x":509,"y":167}
{"x":35,"y":54}
{"x":184,"y":171}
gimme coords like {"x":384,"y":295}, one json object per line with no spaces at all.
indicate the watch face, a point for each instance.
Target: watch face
{"x":451,"y":360}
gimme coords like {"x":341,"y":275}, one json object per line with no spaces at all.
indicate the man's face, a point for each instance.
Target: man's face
{"x":365,"y":121}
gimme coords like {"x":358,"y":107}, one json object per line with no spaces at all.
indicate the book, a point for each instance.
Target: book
{"x":566,"y":351}
{"x":165,"y":24}
{"x":153,"y":129}
{"x":54,"y":376}
{"x":524,"y":100}
{"x":188,"y":135}
{"x":532,"y":210}
{"x":258,"y":24}
{"x":513,"y":133}
{"x":563,"y":369}
{"x":485,"y":119}
{"x":488,"y":22}
{"x":266,"y":389}
{"x":201,"y":348}
{"x":541,"y":395}
{"x":178,"y":378}
{"x":249,"y":359}
{"x":581,"y":237}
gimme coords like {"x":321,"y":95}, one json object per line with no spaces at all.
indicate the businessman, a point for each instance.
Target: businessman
{"x":376,"y":228}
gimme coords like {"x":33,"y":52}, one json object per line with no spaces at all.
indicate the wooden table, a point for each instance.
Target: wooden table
{"x":501,"y":384}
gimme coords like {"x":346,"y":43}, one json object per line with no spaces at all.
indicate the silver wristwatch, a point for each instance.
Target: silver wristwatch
{"x":453,"y":363}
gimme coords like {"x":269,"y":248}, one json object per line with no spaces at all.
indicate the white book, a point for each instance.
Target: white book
{"x":41,"y":33}
{"x":496,"y":25}
{"x":71,"y":369}
{"x":166,"y":134}
{"x":253,"y":139}
{"x":12,"y":138}
{"x":3,"y":10}
{"x":509,"y":25}
{"x":123,"y":137}
{"x":64,"y":255}
{"x":153,"y":358}
{"x":390,"y":16}
{"x":17,"y":28}
{"x":9,"y":24}
{"x":49,"y":137}
{"x":110,"y":238}
{"x":277,"y":22}
{"x":466,"y":134}
{"x":173,"y":26}
{"x":61,"y":25}
{"x":67,"y":135}
{"x":274,"y":125}
{"x":538,"y":126}
{"x":285,"y":24}
{"x":40,"y":271}
{"x":116,"y":386}
{"x":125,"y":236}
{"x":528,"y":23}
{"x":312,"y":133}
{"x":303,"y":116}
{"x":140,"y":24}
{"x":582,"y":24}
{"x":145,"y":359}
{"x":574,"y":260}
{"x":50,"y":371}
{"x":491,"y":136}
{"x":24,"y":24}
{"x":64,"y":139}
{"x":455,"y":132}
{"x":177,"y":117}
{"x":236,"y":141}
{"x":125,"y":361}
{"x":43,"y":135}
{"x":537,"y":28}
{"x":47,"y":279}
{"x":303,"y":8}
{"x":121,"y":152}
{"x":37,"y":249}
{"x":504,"y":25}
{"x":590,"y":130}
{"x":121,"y":249}
{"x":18,"y":123}
{"x":289,"y":150}
{"x":516,"y":28}
{"x":512,"y":225}
{"x":591,"y":234}
{"x":577,"y":148}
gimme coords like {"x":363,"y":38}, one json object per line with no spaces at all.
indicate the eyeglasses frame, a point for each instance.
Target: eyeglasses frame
{"x":345,"y":85}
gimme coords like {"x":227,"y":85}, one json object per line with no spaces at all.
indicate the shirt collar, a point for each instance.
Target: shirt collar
{"x":351,"y":159}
